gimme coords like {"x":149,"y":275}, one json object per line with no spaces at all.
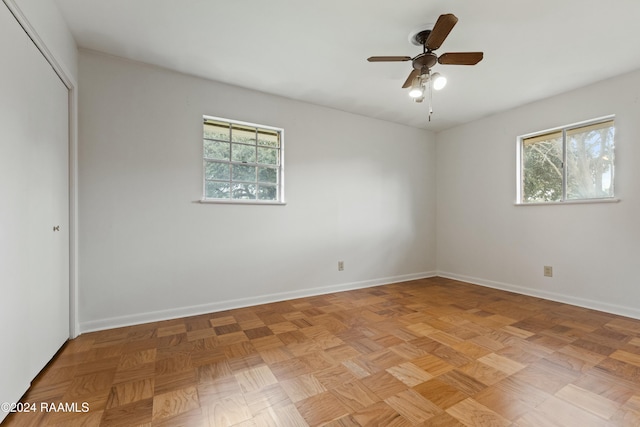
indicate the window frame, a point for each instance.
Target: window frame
{"x":562,"y":130}
{"x":280,"y":200}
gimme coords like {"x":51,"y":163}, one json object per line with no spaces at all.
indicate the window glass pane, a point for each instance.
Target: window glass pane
{"x":217,"y":190}
{"x":268,"y":156}
{"x":243,"y":153}
{"x":268,"y":175}
{"x":244,"y":173}
{"x":590,"y":162}
{"x":244,"y":191}
{"x":542,"y":169}
{"x":241,"y":160}
{"x":267,"y":192}
{"x":216,"y":130}
{"x":243,"y":134}
{"x":268,"y":138}
{"x":216,"y":150}
{"x":215,"y":170}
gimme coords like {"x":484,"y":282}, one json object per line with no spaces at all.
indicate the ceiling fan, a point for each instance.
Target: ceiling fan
{"x":430,"y":40}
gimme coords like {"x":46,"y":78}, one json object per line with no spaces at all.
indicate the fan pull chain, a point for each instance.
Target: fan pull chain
{"x":430,"y":96}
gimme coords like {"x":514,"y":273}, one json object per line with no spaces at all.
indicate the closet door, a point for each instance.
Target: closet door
{"x":34,"y":259}
{"x":49,"y":224}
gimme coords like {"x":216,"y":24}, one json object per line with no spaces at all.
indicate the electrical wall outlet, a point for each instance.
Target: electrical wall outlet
{"x":548,"y":271}
{"x":340,"y":265}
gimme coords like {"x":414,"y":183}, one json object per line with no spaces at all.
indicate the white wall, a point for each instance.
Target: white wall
{"x":357,"y":189}
{"x":594,"y":248}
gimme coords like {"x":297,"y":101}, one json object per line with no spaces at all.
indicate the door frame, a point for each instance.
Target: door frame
{"x":69,"y":81}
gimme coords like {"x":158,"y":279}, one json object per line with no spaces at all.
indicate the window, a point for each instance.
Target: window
{"x":567,"y":164}
{"x":243,"y":162}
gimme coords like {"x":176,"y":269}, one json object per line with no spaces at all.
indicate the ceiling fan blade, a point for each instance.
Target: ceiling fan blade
{"x":388,"y":58}
{"x":460,"y":58}
{"x":415,"y":73}
{"x":441,"y":30}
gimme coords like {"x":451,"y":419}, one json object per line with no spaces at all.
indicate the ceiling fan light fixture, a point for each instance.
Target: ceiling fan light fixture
{"x":417,"y":90}
{"x":438,"y":80}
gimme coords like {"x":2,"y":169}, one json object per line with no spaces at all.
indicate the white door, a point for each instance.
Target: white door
{"x":49,"y":225}
{"x":34,"y":259}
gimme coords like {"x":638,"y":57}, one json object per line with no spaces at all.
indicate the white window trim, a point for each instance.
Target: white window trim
{"x":519,"y":140}
{"x":571,"y":202}
{"x":281,"y":187}
{"x":241,"y":202}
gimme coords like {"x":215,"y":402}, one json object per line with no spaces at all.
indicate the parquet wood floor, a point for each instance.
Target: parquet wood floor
{"x":432,"y":352}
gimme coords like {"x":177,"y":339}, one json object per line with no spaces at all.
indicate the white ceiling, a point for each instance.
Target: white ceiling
{"x":316,"y":50}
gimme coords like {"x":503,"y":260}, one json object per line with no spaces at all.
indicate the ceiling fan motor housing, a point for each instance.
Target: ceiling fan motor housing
{"x":427,"y":59}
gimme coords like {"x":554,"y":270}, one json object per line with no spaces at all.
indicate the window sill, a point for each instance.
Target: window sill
{"x":241,"y":202}
{"x":570,"y":202}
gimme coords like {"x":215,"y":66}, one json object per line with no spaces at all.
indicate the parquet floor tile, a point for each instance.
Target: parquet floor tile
{"x":321,"y":408}
{"x":442,"y":394}
{"x":589,"y":401}
{"x":302,"y":387}
{"x":472,"y":413}
{"x":383,"y":384}
{"x":412,"y":406}
{"x":409,"y":374}
{"x":432,"y":352}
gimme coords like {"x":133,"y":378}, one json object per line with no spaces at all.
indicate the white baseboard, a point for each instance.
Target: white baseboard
{"x":174,"y":313}
{"x":553,"y":296}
